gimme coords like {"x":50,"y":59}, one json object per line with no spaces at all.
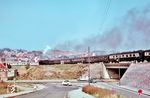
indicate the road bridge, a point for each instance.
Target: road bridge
{"x":116,"y":70}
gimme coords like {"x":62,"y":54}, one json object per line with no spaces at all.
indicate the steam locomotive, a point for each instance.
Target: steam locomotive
{"x":137,"y":56}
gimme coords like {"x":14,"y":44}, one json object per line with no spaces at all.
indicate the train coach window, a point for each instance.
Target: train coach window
{"x":126,"y":55}
{"x":146,"y":54}
{"x":130,"y":55}
{"x":133,"y":55}
{"x":111,"y":56}
{"x":137,"y":54}
{"x":119,"y":56}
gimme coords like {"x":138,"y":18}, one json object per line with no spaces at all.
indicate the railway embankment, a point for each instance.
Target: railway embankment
{"x":138,"y":76}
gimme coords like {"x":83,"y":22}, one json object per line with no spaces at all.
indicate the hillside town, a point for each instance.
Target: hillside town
{"x":19,"y":56}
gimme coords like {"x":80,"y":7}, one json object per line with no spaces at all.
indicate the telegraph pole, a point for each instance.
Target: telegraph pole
{"x":89,"y":74}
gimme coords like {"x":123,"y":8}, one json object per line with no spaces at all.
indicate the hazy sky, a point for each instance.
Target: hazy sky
{"x":35,"y":24}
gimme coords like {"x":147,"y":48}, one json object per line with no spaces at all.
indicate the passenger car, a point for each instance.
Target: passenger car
{"x":92,"y":80}
{"x":66,"y":83}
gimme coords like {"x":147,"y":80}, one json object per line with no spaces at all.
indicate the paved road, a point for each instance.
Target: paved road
{"x":125,"y":92}
{"x":56,"y":90}
{"x":51,"y":91}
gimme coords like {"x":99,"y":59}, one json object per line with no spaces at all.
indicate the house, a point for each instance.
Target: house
{"x":3,"y":72}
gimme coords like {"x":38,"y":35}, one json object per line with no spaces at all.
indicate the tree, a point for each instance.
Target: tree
{"x":27,"y":66}
{"x":9,"y":66}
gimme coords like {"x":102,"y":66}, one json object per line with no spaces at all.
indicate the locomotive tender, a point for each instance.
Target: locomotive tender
{"x":139,"y":56}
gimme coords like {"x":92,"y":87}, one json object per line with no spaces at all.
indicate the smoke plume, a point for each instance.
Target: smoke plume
{"x":46,"y":49}
{"x":133,"y":33}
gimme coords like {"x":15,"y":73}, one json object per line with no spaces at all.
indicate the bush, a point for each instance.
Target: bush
{"x":99,"y":92}
{"x":3,"y":87}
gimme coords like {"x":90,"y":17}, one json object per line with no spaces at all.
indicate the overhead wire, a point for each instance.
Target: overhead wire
{"x":105,"y":15}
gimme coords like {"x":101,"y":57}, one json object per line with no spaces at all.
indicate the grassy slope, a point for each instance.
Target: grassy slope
{"x":64,"y":71}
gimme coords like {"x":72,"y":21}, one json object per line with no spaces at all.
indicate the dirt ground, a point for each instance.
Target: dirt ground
{"x":3,"y":87}
{"x":39,"y":72}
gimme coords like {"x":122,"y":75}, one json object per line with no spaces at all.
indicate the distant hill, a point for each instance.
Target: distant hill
{"x":19,"y":53}
{"x":48,"y":54}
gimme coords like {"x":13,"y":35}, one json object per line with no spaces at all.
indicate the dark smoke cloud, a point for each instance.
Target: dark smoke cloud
{"x":110,"y":40}
{"x":137,"y":25}
{"x":133,"y":33}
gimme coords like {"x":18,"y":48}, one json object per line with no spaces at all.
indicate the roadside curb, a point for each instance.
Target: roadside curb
{"x":39,"y":87}
{"x":40,"y":81}
{"x":123,"y":87}
{"x":145,"y":92}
